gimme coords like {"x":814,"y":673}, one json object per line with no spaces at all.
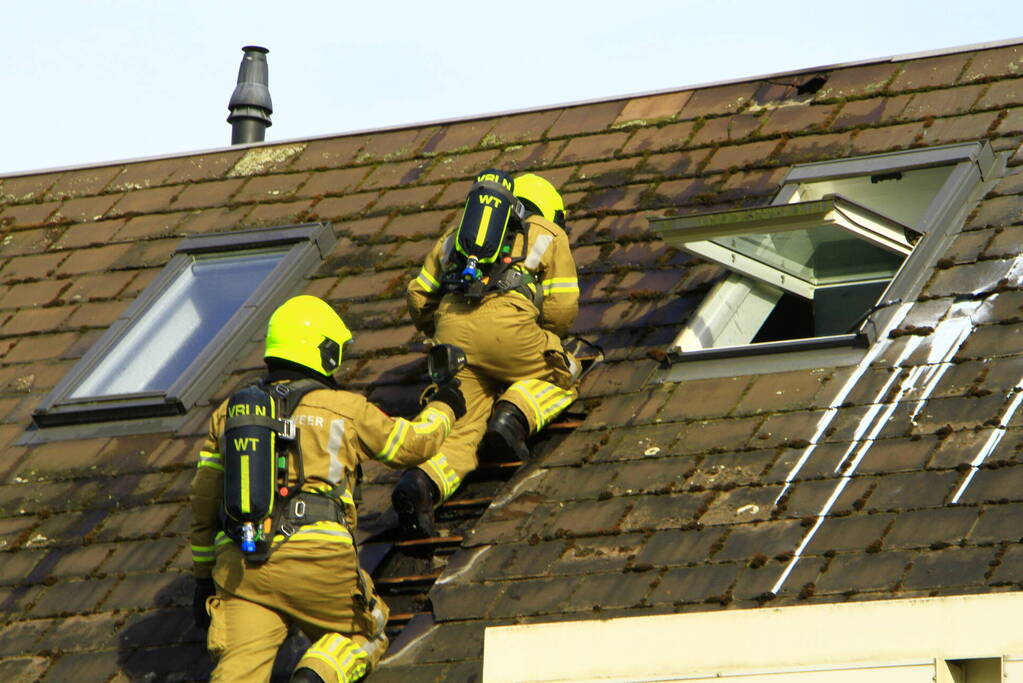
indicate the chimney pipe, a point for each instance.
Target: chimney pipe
{"x":250,"y":102}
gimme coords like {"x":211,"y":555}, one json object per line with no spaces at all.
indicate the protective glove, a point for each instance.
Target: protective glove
{"x":204,"y":588}
{"x":450,"y":394}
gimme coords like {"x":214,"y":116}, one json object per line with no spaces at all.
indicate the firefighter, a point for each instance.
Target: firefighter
{"x":518,"y":376}
{"x":311,"y":577}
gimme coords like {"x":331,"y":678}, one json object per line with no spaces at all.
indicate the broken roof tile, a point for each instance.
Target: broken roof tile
{"x":723,"y":99}
{"x":663,"y":511}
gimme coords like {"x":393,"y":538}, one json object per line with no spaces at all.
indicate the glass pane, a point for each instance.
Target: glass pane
{"x":823,"y":255}
{"x":177,"y":327}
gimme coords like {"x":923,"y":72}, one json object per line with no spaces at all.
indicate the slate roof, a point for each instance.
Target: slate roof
{"x":663,"y":499}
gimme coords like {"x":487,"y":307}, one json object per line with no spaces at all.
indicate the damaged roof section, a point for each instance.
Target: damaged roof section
{"x":895,"y":477}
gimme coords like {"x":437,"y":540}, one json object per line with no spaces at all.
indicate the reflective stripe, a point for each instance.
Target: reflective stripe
{"x":430,"y":419}
{"x":209,"y":459}
{"x":536,"y":252}
{"x":560,"y":284}
{"x":394,"y":440}
{"x":334,"y":443}
{"x":545,"y":399}
{"x":221,"y":540}
{"x":319,"y":531}
{"x":428,"y":282}
{"x":449,"y":478}
{"x":341,"y":654}
{"x":203,"y":553}
{"x":427,"y":423}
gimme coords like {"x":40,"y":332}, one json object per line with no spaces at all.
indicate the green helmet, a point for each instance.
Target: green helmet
{"x":307,"y":331}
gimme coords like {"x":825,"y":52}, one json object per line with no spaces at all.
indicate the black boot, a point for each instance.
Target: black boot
{"x":413,"y":499}
{"x":305,"y":675}
{"x":505,"y":438}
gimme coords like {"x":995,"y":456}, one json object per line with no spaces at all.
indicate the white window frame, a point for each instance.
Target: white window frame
{"x":975,"y":166}
{"x":61,"y":416}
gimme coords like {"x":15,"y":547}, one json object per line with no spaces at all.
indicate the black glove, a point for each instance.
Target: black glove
{"x":204,"y":588}
{"x":450,"y":394}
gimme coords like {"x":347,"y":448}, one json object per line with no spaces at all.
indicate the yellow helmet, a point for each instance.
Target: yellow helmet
{"x":538,"y":193}
{"x":307,"y":331}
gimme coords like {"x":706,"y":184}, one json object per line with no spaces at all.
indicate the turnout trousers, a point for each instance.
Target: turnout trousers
{"x":510,"y":358}
{"x":313,"y":582}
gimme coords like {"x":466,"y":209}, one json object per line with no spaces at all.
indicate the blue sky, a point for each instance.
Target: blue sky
{"x":85,"y":82}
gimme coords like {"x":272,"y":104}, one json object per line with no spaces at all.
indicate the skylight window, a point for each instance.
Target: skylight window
{"x":839,"y":240}
{"x":170,"y":346}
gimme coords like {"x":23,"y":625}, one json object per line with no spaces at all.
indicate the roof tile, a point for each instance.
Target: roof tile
{"x":922,"y":528}
{"x":140,"y":175}
{"x":781,"y":429}
{"x":143,"y":201}
{"x":23,"y":668}
{"x":18,"y":242}
{"x":529,"y":156}
{"x":396,"y":174}
{"x":457,"y":137}
{"x":415,"y":198}
{"x":671,"y":164}
{"x":590,"y":517}
{"x":212,"y":220}
{"x":81,"y":596}
{"x":757,"y":580}
{"x":28,"y":215}
{"x":265,"y":159}
{"x":724,"y":99}
{"x":844,"y":534}
{"x":790,"y":120}
{"x":83,"y":182}
{"x":141,"y":590}
{"x":739,"y":156}
{"x":35,"y":320}
{"x":271,"y":188}
{"x":29,"y":188}
{"x":330,"y":153}
{"x":676,"y":547}
{"x":890,"y":138}
{"x":333,"y":182}
{"x":807,"y":499}
{"x":728,"y":470}
{"x":717,"y":435}
{"x":204,"y":167}
{"x":1012,"y":124}
{"x":728,"y":129}
{"x":930,"y":73}
{"x":591,"y":555}
{"x":741,"y":505}
{"x":807,"y":148}
{"x":592,"y":147}
{"x":462,"y":166}
{"x":945,"y":102}
{"x":597,"y":592}
{"x":202,"y":195}
{"x":465,"y":600}
{"x":391,"y":145}
{"x":993,"y":485}
{"x":670,"y":136}
{"x":694,"y":584}
{"x":33,"y":267}
{"x":279,"y":213}
{"x":865,"y":571}
{"x":1009,"y":567}
{"x":586,"y":118}
{"x":93,"y":260}
{"x":783,"y":391}
{"x":337,"y":208}
{"x":86,"y":208}
{"x":422,"y":224}
{"x":959,"y":129}
{"x":997,"y":63}
{"x":605,"y":173}
{"x":535,"y":596}
{"x":766,"y":538}
{"x":873,"y":112}
{"x":893,"y":455}
{"x":854,"y":82}
{"x":145,"y":227}
{"x":653,"y":108}
{"x":954,"y":566}
{"x":31,"y":294}
{"x":89,"y":234}
{"x":912,"y":490}
{"x":19,"y":637}
{"x":663,"y":511}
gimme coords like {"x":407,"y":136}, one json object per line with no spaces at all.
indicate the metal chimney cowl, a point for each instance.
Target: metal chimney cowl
{"x":250,"y":103}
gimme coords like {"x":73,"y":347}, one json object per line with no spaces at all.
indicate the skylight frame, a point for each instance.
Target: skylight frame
{"x":975,"y":168}
{"x":305,"y":246}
